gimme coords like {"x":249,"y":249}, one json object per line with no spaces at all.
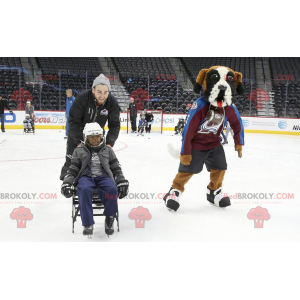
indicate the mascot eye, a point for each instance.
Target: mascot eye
{"x":214,"y":77}
{"x":230,"y":78}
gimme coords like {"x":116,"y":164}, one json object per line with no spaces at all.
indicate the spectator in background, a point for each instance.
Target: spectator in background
{"x":69,"y":102}
{"x":133,"y":114}
{"x":29,"y":110}
{"x":3,"y":104}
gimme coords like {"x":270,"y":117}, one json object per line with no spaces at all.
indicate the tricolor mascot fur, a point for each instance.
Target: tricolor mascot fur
{"x":201,"y":135}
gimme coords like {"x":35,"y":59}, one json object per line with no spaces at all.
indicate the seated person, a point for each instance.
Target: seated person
{"x":28,"y":122}
{"x":94,"y":165}
{"x":142,"y":125}
{"x":180,"y":126}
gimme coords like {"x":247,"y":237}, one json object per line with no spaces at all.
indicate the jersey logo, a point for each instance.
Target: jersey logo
{"x":104,"y":112}
{"x":211,"y":126}
{"x":194,"y":106}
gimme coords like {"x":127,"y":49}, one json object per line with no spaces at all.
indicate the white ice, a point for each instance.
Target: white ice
{"x":270,"y":164}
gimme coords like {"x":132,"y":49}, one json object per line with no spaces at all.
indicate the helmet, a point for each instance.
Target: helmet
{"x":27,"y":116}
{"x":92,"y":129}
{"x":143,"y":116}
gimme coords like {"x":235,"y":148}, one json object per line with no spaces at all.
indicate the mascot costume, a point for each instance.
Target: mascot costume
{"x":201,"y":135}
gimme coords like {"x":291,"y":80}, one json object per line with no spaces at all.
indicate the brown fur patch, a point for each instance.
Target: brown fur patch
{"x":216,"y":179}
{"x":180,"y":180}
{"x":186,"y":159}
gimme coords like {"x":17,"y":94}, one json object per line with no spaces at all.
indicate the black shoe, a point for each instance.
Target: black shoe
{"x":172,"y":199}
{"x":3,"y":130}
{"x":225,"y":142}
{"x":109,"y":225}
{"x":216,"y":198}
{"x":88,"y":230}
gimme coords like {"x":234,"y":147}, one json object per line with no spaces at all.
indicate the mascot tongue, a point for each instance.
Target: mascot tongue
{"x":219,"y":103}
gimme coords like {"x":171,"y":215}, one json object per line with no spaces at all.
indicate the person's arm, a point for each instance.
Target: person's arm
{"x":195,"y":116}
{"x":73,"y":169}
{"x":76,"y":116}
{"x":7,"y":107}
{"x":115,"y":167}
{"x":113,"y":123}
{"x":236,"y":124}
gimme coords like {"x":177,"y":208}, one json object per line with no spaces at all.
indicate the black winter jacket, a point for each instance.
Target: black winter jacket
{"x":84,"y":110}
{"x":3,"y":104}
{"x":133,"y":110}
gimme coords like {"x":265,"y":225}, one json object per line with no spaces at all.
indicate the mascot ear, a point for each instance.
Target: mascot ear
{"x":240,"y":88}
{"x":200,"y":80}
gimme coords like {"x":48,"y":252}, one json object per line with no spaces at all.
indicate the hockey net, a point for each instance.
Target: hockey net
{"x":156,"y":125}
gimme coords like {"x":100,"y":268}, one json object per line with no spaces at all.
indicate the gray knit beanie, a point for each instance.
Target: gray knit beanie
{"x":101,"y":79}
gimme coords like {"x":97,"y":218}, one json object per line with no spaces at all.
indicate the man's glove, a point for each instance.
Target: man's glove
{"x":239,"y":149}
{"x":186,"y":159}
{"x":123,"y":188}
{"x":11,"y":112}
{"x":66,"y":190}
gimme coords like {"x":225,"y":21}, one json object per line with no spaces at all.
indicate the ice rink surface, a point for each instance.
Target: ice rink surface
{"x":31,"y":164}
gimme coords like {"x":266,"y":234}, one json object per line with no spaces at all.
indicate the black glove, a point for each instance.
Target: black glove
{"x":123,"y":188}
{"x":66,"y":190}
{"x":11,"y":112}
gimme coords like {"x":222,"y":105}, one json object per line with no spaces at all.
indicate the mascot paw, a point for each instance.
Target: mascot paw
{"x":186,"y":159}
{"x":239,"y":149}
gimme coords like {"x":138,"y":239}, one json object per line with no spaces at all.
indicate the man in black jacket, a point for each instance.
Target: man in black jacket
{"x":3,"y":104}
{"x":95,"y":105}
{"x":133,"y":115}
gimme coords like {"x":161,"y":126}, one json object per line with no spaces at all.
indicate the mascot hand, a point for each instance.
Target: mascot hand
{"x":239,"y":149}
{"x":186,"y":159}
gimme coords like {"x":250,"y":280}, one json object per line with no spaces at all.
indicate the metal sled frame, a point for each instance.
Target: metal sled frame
{"x":97,"y":204}
{"x":32,"y":130}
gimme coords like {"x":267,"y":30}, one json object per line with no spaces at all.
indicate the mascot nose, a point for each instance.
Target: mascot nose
{"x":222,"y":87}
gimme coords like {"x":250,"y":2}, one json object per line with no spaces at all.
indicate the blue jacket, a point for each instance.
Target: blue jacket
{"x":69,"y":103}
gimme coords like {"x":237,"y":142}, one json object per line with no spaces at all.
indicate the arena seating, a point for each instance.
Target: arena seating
{"x":11,"y":80}
{"x":286,"y":84}
{"x":161,"y":94}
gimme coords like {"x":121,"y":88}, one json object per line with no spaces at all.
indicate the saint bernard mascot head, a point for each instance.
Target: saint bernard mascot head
{"x":219,"y":84}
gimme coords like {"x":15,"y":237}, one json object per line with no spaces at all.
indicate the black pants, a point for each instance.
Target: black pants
{"x":2,"y":121}
{"x":133,"y":123}
{"x":212,"y":158}
{"x":148,"y":128}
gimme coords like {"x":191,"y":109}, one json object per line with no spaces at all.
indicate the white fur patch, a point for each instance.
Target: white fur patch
{"x":215,"y":90}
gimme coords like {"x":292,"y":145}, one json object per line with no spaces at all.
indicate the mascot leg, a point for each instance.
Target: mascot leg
{"x":214,"y":189}
{"x":172,"y":197}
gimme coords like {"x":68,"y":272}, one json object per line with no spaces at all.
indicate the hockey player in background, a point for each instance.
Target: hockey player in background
{"x":228,"y":129}
{"x":180,"y":126}
{"x":69,"y":102}
{"x":95,"y":166}
{"x":142,"y":125}
{"x":149,"y":119}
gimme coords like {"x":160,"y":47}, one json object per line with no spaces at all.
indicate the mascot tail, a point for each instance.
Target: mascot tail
{"x":174,"y":151}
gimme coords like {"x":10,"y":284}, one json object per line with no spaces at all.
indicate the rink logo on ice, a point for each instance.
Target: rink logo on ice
{"x":282,"y":124}
{"x":258,"y":215}
{"x":21,"y":215}
{"x":140,"y":215}
{"x":246,"y":123}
